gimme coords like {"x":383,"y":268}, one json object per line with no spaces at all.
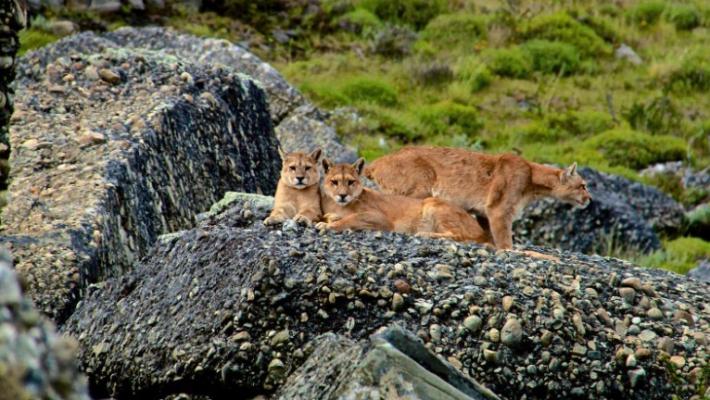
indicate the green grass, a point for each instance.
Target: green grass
{"x":679,"y":255}
{"x":540,"y":80}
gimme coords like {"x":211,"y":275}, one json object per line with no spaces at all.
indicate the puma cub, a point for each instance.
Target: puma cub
{"x":348,"y":205}
{"x":298,"y":192}
{"x":495,"y":188}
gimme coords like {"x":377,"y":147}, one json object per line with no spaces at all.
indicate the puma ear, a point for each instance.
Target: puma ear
{"x":282,"y":153}
{"x":316,"y":154}
{"x":327,"y":164}
{"x":571,"y":170}
{"x":359,"y":165}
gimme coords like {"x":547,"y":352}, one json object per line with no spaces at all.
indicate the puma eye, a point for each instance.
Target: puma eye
{"x":292,"y":168}
{"x":350,"y":183}
{"x":334,"y":182}
{"x":308,"y":168}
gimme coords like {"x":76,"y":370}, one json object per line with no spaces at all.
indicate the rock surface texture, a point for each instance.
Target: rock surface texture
{"x":623,"y":215}
{"x":13,"y":18}
{"x":113,"y":147}
{"x":234,"y":305}
{"x":393,"y":364}
{"x":300,"y":126}
{"x":35,"y":363}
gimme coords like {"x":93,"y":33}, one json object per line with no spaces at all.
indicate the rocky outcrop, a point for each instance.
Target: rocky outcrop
{"x":234,"y":305}
{"x":35,"y":363}
{"x":113,"y":147}
{"x":624,"y":215}
{"x":299,"y":125}
{"x":392,"y":364}
{"x":13,"y":18}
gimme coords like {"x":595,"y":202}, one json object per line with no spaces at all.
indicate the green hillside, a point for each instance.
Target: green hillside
{"x":538,"y":78}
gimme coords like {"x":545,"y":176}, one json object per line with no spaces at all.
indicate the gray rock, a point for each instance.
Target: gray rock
{"x":35,"y":363}
{"x":206,"y":304}
{"x":624,"y":52}
{"x":340,"y":369}
{"x":165,"y":140}
{"x":623,"y":215}
{"x":701,"y":272}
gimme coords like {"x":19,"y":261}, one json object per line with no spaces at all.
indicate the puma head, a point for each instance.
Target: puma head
{"x":300,"y":170}
{"x":572,"y":188}
{"x":342,"y":181}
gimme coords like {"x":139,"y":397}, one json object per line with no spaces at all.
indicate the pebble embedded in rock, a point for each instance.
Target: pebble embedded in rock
{"x":473,"y":323}
{"x":397,"y":302}
{"x":627,"y":294}
{"x":494,"y":335}
{"x":109,"y":76}
{"x":512,"y":333}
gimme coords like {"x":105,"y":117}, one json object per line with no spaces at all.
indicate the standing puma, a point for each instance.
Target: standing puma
{"x":298,"y":192}
{"x":495,"y":188}
{"x":347,"y":205}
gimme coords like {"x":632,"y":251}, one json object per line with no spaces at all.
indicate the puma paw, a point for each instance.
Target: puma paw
{"x":322,"y":226}
{"x":302,"y":220}
{"x":331,"y":217}
{"x":273,"y":220}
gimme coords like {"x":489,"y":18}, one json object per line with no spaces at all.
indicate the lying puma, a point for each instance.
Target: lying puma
{"x":495,"y":188}
{"x":298,"y":192}
{"x":348,"y":205}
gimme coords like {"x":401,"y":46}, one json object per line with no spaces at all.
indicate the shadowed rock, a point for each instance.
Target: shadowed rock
{"x":394,"y":363}
{"x":35,"y":363}
{"x":624,"y":215}
{"x":234,"y":306}
{"x":116,"y":147}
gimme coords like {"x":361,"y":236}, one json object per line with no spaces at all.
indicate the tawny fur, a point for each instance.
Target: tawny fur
{"x":495,"y":188}
{"x":298,"y":192}
{"x":347,"y":205}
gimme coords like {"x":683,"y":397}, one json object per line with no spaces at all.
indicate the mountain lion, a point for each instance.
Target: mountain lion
{"x":348,"y":205}
{"x":495,"y":188}
{"x":298,"y":192}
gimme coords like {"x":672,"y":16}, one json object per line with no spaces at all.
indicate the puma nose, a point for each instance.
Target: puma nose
{"x":299,"y":179}
{"x":342,"y":196}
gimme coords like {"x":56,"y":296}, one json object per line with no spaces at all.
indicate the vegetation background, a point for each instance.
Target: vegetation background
{"x":615,"y":85}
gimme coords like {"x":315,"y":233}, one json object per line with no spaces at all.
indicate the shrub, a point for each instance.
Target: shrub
{"x":511,"y":62}
{"x":679,"y":255}
{"x":660,"y":115}
{"x":393,"y":40}
{"x":647,"y":12}
{"x":633,"y":149}
{"x":397,"y":124}
{"x":455,"y":30}
{"x":560,"y":27}
{"x":605,"y":28}
{"x":685,"y":17}
{"x":540,"y":132}
{"x":474,"y":74}
{"x":587,"y":123}
{"x":432,"y":73}
{"x":451,"y":118}
{"x":324,"y":94}
{"x":698,"y":222}
{"x":692,"y":75}
{"x":370,"y":90}
{"x":359,"y":20}
{"x":416,"y":13}
{"x":552,"y":57}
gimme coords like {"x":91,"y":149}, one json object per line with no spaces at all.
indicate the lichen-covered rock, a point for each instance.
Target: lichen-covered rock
{"x":300,"y":126}
{"x":624,"y":215}
{"x":233,"y":305}
{"x":392,"y":364}
{"x":13,"y":18}
{"x":35,"y":363}
{"x":117,"y":147}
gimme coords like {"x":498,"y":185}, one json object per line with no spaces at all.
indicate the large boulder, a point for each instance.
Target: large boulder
{"x":624,"y":216}
{"x":113,"y":147}
{"x":299,"y":125}
{"x":35,"y":363}
{"x":392,"y":364}
{"x":233,"y":305}
{"x":13,"y":18}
